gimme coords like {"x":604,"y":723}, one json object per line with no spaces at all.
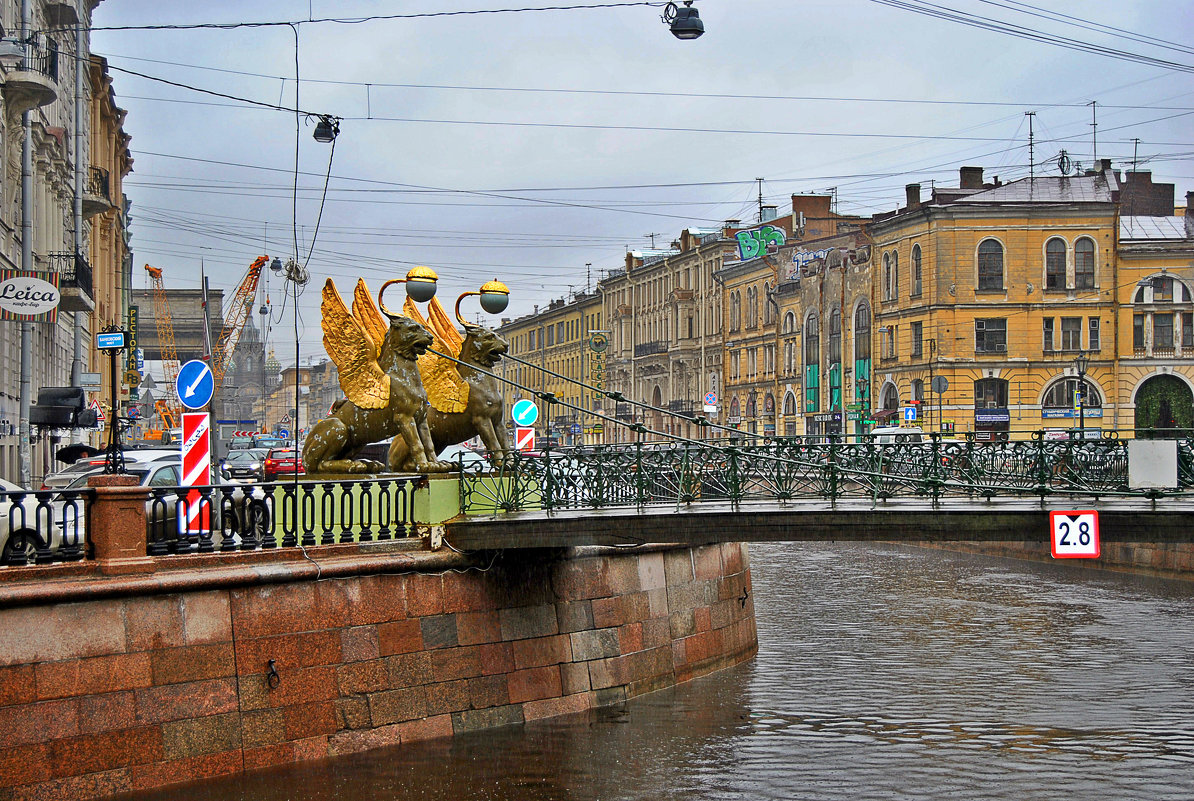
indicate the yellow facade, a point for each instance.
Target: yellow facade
{"x":999,"y":289}
{"x":557,"y":342}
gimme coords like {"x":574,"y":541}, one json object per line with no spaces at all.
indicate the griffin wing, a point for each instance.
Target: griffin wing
{"x":368,"y":315}
{"x":349,"y":345}
{"x":446,"y":390}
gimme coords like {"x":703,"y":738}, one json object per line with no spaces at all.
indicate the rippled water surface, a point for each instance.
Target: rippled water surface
{"x":883,"y":673}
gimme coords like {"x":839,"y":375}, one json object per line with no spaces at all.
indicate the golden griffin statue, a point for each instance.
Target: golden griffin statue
{"x":395,"y":389}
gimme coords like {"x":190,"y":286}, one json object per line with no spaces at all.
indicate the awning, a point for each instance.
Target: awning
{"x":886,"y":414}
{"x":73,"y":453}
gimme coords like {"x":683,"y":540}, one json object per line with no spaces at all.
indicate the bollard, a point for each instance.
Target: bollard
{"x":116,"y":525}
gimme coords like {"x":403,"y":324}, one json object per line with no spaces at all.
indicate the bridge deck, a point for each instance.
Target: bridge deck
{"x":908,"y":519}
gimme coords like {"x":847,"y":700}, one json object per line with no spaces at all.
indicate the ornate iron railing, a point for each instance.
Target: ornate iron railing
{"x":283,"y":514}
{"x":39,"y":527}
{"x":790,"y":468}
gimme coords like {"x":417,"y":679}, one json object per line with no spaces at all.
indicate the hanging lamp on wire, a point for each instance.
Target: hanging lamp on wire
{"x":685,"y":23}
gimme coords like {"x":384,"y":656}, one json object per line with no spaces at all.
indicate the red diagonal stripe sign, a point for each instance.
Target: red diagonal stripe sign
{"x":196,"y":471}
{"x":524,"y":439}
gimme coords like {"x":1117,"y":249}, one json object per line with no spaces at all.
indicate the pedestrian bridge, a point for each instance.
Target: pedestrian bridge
{"x":836,"y":490}
{"x":676,"y":493}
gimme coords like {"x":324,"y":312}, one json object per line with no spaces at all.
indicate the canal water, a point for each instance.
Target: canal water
{"x":883,"y":673}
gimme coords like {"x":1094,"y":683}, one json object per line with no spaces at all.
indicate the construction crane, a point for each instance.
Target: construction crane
{"x":169,"y":408}
{"x":235,"y":319}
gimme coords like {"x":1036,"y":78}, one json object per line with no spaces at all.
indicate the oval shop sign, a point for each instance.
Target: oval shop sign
{"x":27,"y":295}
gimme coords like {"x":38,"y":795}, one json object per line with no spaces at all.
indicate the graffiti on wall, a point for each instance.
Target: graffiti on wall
{"x":754,"y":242}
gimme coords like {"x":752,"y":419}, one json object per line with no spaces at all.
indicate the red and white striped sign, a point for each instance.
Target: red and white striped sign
{"x":524,"y":439}
{"x":196,"y":470}
{"x":243,"y":433}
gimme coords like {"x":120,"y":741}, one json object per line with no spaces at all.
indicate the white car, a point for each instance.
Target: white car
{"x":460,"y":454}
{"x":92,"y":464}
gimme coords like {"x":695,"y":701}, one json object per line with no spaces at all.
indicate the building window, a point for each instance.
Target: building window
{"x":835,"y":337}
{"x":990,"y":336}
{"x":789,"y":358}
{"x":1162,"y":332}
{"x":1071,"y":333}
{"x":735,"y":364}
{"x":1084,"y":263}
{"x":1092,"y":336}
{"x":1187,"y":329}
{"x":1063,"y":394}
{"x":917,"y":339}
{"x":862,"y":332}
{"x":918,"y":390}
{"x":790,"y":404}
{"x":887,"y":340}
{"x":887,"y":276}
{"x":990,"y":265}
{"x":789,"y":323}
{"x":1047,"y":334}
{"x":916,"y":274}
{"x":812,"y":340}
{"x":1055,"y":264}
{"x":990,"y":393}
{"x":1138,"y":333}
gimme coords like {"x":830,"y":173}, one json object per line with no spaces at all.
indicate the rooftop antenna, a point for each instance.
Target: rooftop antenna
{"x":760,"y":180}
{"x":588,"y":275}
{"x":652,"y":239}
{"x":1031,"y":152}
{"x":1094,"y":128}
{"x":1135,"y":149}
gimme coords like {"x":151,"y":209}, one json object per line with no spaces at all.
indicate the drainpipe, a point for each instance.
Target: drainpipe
{"x":25,"y":450}
{"x":76,"y":368}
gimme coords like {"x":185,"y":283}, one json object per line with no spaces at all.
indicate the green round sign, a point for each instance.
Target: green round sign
{"x":599,"y":342}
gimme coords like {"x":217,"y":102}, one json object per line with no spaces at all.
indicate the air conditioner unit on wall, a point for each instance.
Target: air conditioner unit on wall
{"x":1001,"y":348}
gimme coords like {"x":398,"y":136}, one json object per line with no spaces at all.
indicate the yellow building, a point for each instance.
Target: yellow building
{"x":565,"y":347}
{"x":1011,"y":296}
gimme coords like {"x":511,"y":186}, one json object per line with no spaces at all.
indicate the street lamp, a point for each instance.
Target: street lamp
{"x":685,"y":23}
{"x":1080,"y":364}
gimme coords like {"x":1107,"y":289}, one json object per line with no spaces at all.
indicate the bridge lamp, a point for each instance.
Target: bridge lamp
{"x":494,"y":295}
{"x":685,"y":23}
{"x":327,"y":129}
{"x":1081,"y":362}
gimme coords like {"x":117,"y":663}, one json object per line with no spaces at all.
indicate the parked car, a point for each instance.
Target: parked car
{"x":246,"y":464}
{"x":248,"y":503}
{"x":89,"y":465}
{"x":281,"y":462}
{"x":462,"y":455}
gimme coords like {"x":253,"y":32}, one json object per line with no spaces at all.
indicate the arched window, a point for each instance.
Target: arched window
{"x":990,"y":265}
{"x":862,"y":332}
{"x":789,"y":357}
{"x":990,"y":393}
{"x":1055,"y":264}
{"x":767,"y":313}
{"x":1084,"y":263}
{"x":1162,"y":289}
{"x":790,"y":323}
{"x":891,"y":398}
{"x":790,"y":403}
{"x":918,"y":390}
{"x":734,"y":408}
{"x":812,"y":340}
{"x":735,"y":311}
{"x":895,"y":276}
{"x":887,"y":276}
{"x":835,"y":337}
{"x":916,"y":273}
{"x":1063,"y":394}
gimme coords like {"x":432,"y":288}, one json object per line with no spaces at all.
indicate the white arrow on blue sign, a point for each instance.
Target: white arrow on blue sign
{"x":910,"y":413}
{"x":524,"y":412}
{"x":195,"y":384}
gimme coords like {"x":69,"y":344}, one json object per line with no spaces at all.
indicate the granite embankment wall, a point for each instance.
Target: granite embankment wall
{"x":122,"y":682}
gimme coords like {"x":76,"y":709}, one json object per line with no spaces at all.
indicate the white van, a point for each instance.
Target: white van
{"x":890,"y":435}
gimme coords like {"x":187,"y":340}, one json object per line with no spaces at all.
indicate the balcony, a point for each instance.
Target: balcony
{"x":624,"y":411}
{"x":34,"y":82}
{"x":681,"y":407}
{"x":97,"y":194}
{"x":74,"y":281}
{"x":650,"y":349}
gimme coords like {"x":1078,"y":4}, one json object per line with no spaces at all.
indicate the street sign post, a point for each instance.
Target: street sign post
{"x":196,"y":470}
{"x":1075,"y":535}
{"x":524,"y":439}
{"x":910,"y":414}
{"x":524,"y":412}
{"x":195,"y":384}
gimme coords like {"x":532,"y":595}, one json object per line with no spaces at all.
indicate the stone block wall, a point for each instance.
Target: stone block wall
{"x":155,"y":686}
{"x":1164,"y":559}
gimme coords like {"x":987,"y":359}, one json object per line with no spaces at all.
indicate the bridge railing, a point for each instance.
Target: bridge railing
{"x":789,"y":469}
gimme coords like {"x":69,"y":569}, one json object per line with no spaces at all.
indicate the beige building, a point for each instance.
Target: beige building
{"x":38,"y":229}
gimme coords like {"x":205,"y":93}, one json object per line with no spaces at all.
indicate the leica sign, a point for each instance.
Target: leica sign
{"x":27,"y":295}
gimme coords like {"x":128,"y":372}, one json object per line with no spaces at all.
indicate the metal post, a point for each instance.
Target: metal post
{"x":25,"y":453}
{"x":80,"y":106}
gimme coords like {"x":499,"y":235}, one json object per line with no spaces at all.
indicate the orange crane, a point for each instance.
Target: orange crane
{"x":236,"y":317}
{"x":169,"y":408}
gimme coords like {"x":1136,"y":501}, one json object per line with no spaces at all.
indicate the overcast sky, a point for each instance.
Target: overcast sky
{"x":527,"y":145}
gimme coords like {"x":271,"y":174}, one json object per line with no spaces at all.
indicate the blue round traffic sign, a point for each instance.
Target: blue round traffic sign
{"x":525,"y":412}
{"x":195,"y":384}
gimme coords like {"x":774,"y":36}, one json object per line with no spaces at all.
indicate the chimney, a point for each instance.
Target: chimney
{"x":970,"y":177}
{"x":912,"y":191}
{"x":1190,"y":215}
{"x":1104,"y":165}
{"x":769,"y":213}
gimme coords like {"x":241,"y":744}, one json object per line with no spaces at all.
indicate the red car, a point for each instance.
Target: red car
{"x":281,"y":462}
